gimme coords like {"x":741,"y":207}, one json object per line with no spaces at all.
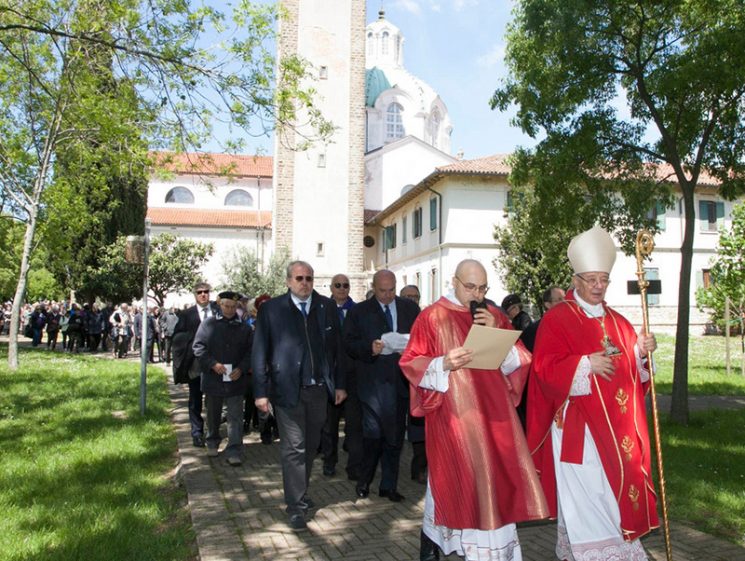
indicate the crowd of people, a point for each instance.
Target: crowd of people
{"x":93,"y":328}
{"x":557,"y":429}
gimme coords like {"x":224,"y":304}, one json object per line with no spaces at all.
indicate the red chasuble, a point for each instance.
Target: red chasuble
{"x":614,"y":411}
{"x":480,"y":472}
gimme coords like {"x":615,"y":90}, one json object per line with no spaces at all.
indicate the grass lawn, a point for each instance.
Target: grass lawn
{"x":707,"y":374}
{"x":82,"y":475}
{"x":705,"y":472}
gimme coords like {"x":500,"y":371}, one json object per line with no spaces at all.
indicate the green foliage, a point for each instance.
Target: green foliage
{"x":244,"y":272}
{"x":727,"y":275}
{"x":89,"y":87}
{"x":100,"y":180}
{"x":174,"y":266}
{"x":41,"y":283}
{"x":85,"y":473}
{"x":533,"y":243}
{"x":643,"y":92}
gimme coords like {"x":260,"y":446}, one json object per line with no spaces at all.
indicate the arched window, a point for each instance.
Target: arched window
{"x":369,"y":43}
{"x":434,"y":127}
{"x":394,"y":125}
{"x":239,"y":197}
{"x":384,"y":44}
{"x":180,"y":195}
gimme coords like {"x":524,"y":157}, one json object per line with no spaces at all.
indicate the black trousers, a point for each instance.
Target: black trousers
{"x":353,"y":433}
{"x":196,"y":399}
{"x":299,"y":436}
{"x":330,"y":434}
{"x":382,"y":444}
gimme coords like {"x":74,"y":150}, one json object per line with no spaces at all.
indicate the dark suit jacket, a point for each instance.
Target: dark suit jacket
{"x":380,"y":382}
{"x":279,"y":344}
{"x":183,"y":339}
{"x":227,"y":342}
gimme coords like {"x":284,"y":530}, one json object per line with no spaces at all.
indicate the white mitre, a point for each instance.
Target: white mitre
{"x":592,"y":251}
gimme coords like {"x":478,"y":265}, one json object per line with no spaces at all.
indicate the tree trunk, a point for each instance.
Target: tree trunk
{"x":18,"y":298}
{"x":679,"y":402}
{"x":32,"y":208}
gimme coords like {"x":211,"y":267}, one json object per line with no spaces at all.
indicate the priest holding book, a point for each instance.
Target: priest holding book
{"x":481,"y":477}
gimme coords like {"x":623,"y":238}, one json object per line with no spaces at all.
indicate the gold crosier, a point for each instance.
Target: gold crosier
{"x":644,"y":247}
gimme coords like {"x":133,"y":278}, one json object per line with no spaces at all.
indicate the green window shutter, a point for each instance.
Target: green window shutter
{"x":720,"y":215}
{"x":703,"y":215}
{"x":660,"y":216}
{"x":433,"y":213}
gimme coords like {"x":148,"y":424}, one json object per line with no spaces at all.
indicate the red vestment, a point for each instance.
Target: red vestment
{"x":614,"y":411}
{"x":480,"y":472}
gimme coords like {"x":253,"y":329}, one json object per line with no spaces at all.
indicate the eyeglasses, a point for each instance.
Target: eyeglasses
{"x":470,"y":287}
{"x":202,"y":291}
{"x":301,"y":278}
{"x":341,"y":284}
{"x":594,"y":281}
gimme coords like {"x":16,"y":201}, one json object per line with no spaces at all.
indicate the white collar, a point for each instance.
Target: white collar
{"x":297,"y":300}
{"x":592,"y":310}
{"x":451,"y":296}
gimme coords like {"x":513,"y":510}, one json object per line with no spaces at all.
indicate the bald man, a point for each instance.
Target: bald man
{"x":372,"y":338}
{"x":481,"y":478}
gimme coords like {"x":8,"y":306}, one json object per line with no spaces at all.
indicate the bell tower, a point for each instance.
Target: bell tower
{"x":319,"y":192}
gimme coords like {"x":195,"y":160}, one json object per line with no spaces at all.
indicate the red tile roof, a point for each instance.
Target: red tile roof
{"x":210,"y":218}
{"x":490,"y":165}
{"x":193,"y":163}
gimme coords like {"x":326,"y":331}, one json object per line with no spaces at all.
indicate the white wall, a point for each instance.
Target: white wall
{"x":210,"y":193}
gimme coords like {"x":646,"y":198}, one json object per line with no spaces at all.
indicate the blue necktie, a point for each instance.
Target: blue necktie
{"x":388,"y":317}
{"x":302,"y":309}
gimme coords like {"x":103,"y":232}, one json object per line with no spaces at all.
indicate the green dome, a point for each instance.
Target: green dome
{"x":375,"y":84}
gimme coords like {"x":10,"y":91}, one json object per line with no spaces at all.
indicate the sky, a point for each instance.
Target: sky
{"x":457,"y":47}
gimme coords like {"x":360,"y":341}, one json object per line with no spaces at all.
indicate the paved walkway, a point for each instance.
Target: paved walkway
{"x":238,"y":513}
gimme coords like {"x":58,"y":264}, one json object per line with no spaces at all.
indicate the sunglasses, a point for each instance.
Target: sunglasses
{"x":301,"y":278}
{"x":203,"y":292}
{"x":340,"y":284}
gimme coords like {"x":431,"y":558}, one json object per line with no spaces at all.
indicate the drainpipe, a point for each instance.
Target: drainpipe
{"x":439,"y":238}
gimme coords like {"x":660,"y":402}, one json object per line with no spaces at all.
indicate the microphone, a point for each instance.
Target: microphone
{"x":474,"y":305}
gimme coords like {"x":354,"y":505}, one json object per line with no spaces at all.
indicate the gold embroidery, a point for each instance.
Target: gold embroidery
{"x":634,"y":496}
{"x":622,"y":398}
{"x":628,"y":445}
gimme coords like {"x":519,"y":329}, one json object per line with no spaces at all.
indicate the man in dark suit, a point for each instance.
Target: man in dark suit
{"x":296,"y":351}
{"x":372,"y":338}
{"x":185,"y":369}
{"x":350,"y":408}
{"x":222,"y":346}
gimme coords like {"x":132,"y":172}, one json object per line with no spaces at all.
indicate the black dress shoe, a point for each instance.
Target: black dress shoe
{"x":392,"y":495}
{"x":198,"y":441}
{"x":428,"y":550}
{"x":297,"y":522}
{"x":329,"y":471}
{"x":362,"y":492}
{"x":306,"y":504}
